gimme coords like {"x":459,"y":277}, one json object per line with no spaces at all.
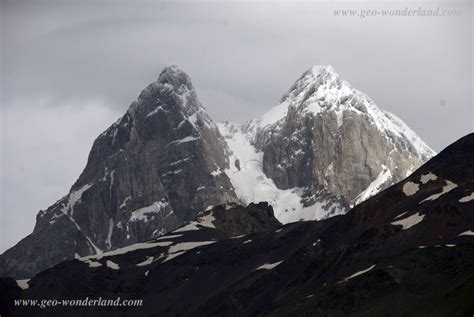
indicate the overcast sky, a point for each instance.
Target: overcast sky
{"x":70,"y":70}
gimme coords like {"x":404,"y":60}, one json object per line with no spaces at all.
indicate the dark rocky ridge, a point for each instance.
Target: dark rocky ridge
{"x":409,"y":250}
{"x":220,"y":223}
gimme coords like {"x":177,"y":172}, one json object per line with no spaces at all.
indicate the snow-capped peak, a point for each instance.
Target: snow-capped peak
{"x":309,"y":78}
{"x":310,"y":133}
{"x":175,"y":77}
{"x":321,"y":89}
{"x":301,"y":91}
{"x":172,"y":91}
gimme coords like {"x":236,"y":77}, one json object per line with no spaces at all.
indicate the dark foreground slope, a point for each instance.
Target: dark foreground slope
{"x":408,"y":251}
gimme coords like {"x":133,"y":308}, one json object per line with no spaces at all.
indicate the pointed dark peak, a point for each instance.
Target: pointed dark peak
{"x":175,"y":77}
{"x":172,"y":91}
{"x":171,"y":80}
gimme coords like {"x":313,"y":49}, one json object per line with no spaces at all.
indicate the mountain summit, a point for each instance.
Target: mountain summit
{"x":325,"y":147}
{"x":148,"y":173}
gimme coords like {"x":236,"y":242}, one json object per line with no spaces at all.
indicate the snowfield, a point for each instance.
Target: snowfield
{"x":410,"y":221}
{"x":252,"y":185}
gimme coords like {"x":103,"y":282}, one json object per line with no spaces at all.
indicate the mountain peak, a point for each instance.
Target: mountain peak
{"x":174,"y":76}
{"x":321,"y":90}
{"x":317,"y":70}
{"x":323,"y":127}
{"x":315,"y":76}
{"x":171,"y":79}
{"x":172,"y":90}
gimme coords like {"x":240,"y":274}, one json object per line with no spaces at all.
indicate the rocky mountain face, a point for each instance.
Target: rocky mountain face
{"x":408,"y":250}
{"x":326,"y":147}
{"x":147,"y":174}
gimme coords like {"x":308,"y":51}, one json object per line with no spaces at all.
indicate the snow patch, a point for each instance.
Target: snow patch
{"x":428,"y":177}
{"x":92,"y":244}
{"x":184,"y":140}
{"x":274,"y":115}
{"x":181,"y":248}
{"x":172,"y":172}
{"x":179,"y":161}
{"x":141,"y":214}
{"x":268,"y":266}
{"x":384,"y":176}
{"x":124,"y":202}
{"x":410,"y":188}
{"x":94,"y":263}
{"x":467,"y":198}
{"x":112,"y":265}
{"x":68,"y":208}
{"x":88,"y":260}
{"x":189,"y":227}
{"x":129,"y":248}
{"x":151,"y":113}
{"x":216,"y":172}
{"x":358,"y":273}
{"x":410,"y":221}
{"x":23,"y":284}
{"x":400,"y":215}
{"x":207,"y":220}
{"x":55,"y":218}
{"x":167,"y":237}
{"x":109,"y":234}
{"x":446,"y":189}
{"x":74,"y":197}
{"x":148,"y":261}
